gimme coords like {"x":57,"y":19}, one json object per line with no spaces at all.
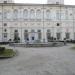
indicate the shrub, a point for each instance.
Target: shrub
{"x":2,"y":49}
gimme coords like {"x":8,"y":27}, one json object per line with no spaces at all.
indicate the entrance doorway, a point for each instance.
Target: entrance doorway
{"x":58,"y":36}
{"x":48,"y":35}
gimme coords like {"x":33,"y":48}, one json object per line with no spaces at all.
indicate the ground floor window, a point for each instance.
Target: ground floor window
{"x":26,"y":35}
{"x":67,"y":35}
{"x":48,"y":35}
{"x":33,"y":38}
{"x":16,"y":36}
{"x":58,"y":36}
{"x":39,"y":34}
{"x":74,"y":35}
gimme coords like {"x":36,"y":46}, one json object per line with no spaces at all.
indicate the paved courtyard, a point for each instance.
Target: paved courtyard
{"x":40,"y":61}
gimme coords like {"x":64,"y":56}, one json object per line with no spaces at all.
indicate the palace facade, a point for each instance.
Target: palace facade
{"x":36,"y":22}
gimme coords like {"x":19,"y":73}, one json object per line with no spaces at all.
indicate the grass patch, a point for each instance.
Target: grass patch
{"x":7,"y":53}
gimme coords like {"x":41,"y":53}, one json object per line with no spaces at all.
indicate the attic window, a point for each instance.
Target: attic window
{"x":57,"y":2}
{"x":5,"y":1}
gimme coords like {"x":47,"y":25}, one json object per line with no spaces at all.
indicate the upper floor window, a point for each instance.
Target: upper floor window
{"x":63,"y":14}
{"x":15,"y":14}
{"x":38,"y":14}
{"x":48,"y":14}
{"x":57,"y":2}
{"x":5,"y":14}
{"x":5,"y":24}
{"x":58,"y":15}
{"x":25,"y":14}
{"x":32,"y":14}
{"x":32,"y":31}
{"x":5,"y":1}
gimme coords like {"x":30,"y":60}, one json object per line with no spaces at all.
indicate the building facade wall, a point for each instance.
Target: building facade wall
{"x":54,"y":19}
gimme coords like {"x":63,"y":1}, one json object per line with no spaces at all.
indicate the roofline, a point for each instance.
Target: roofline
{"x":31,"y":4}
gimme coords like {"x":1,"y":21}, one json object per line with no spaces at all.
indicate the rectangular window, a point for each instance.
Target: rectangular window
{"x":26,"y":37}
{"x":5,"y":24}
{"x":57,"y":2}
{"x":5,"y":35}
{"x":5,"y":14}
{"x":32,"y":38}
{"x":67,"y":35}
{"x":39,"y":34}
{"x":48,"y":37}
{"x":5,"y":1}
{"x":58,"y":36}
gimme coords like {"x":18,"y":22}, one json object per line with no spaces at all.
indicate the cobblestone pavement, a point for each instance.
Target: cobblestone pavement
{"x":40,"y":61}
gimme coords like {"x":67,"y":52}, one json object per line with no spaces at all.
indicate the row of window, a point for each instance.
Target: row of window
{"x":26,"y":34}
{"x":35,"y":15}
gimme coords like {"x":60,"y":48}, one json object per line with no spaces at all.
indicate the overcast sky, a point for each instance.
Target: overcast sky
{"x":70,"y":2}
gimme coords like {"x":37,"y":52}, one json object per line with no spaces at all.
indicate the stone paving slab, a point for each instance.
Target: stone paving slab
{"x":40,"y":61}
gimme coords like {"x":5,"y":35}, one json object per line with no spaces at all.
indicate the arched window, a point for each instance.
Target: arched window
{"x":58,"y":15}
{"x":15,"y":14}
{"x":38,"y":14}
{"x":5,"y":14}
{"x":25,"y":14}
{"x":48,"y":14}
{"x":63,"y":14}
{"x":9,"y":15}
{"x":32,"y":14}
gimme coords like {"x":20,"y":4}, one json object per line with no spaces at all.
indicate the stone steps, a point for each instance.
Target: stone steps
{"x":52,"y":44}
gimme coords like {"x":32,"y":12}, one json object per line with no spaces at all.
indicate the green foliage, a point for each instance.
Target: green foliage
{"x":2,"y":49}
{"x":6,"y":52}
